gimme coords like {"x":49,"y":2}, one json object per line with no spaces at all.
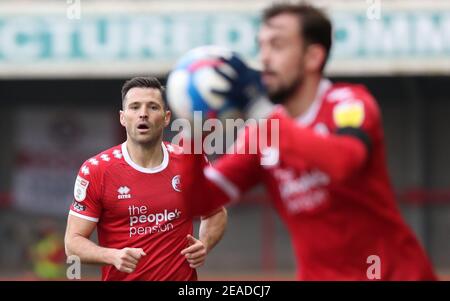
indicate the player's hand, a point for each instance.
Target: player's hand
{"x":196,"y":252}
{"x":126,"y":259}
{"x":245,"y":83}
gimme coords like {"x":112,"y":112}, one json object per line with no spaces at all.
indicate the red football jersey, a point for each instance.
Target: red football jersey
{"x":336,"y":226}
{"x":137,"y":207}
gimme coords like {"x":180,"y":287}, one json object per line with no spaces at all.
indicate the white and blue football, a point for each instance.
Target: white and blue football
{"x":193,"y":80}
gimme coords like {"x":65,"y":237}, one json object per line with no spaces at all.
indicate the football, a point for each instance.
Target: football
{"x":193,"y":83}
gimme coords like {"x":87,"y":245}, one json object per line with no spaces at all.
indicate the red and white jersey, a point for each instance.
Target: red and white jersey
{"x":335,"y":227}
{"x":137,"y":207}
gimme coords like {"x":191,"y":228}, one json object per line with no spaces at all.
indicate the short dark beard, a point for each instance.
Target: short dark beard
{"x":281,"y":95}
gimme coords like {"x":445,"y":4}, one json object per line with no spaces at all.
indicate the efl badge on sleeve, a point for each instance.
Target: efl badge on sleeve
{"x":349,"y":114}
{"x":80,"y":188}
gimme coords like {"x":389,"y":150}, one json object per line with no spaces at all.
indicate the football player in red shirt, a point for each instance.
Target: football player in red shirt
{"x":131,"y":193}
{"x":330,"y":183}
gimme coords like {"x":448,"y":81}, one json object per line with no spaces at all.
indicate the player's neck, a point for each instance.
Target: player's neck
{"x":303,"y":98}
{"x":145,"y":155}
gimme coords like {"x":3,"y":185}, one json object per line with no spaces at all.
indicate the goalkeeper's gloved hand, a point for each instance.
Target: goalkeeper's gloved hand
{"x":246,"y":90}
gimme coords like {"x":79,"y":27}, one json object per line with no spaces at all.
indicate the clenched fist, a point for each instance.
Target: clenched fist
{"x":126,"y":259}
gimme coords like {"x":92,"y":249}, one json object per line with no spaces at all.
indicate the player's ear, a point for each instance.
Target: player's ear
{"x":122,"y":118}
{"x":167,"y":116}
{"x":315,"y":56}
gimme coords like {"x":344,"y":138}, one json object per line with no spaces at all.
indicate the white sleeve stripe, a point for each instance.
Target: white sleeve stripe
{"x":222,"y":182}
{"x":92,"y":219}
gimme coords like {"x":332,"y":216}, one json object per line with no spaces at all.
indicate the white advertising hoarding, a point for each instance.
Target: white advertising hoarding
{"x":124,"y":38}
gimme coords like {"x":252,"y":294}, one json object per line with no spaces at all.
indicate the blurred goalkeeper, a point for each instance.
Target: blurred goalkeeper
{"x":330,"y":184}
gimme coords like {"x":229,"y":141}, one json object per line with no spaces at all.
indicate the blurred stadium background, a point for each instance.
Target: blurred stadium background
{"x":62,"y":64}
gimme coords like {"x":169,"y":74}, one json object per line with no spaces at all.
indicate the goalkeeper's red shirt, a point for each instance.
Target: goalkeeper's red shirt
{"x":330,"y":186}
{"x":137,"y":207}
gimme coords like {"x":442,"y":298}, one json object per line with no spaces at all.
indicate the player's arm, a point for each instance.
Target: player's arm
{"x":77,"y":243}
{"x":207,"y":187}
{"x":341,"y":154}
{"x":200,"y":194}
{"x":211,"y":230}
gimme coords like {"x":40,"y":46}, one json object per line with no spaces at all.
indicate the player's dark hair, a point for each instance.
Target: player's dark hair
{"x":315,"y":27}
{"x":143,"y":82}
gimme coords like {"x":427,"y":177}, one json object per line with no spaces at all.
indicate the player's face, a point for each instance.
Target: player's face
{"x":144,"y":115}
{"x":282,"y":56}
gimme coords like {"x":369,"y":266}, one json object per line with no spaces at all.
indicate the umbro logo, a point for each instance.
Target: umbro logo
{"x":124,"y":193}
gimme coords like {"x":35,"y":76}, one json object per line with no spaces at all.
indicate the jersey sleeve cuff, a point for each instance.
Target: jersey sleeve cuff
{"x":89,"y":218}
{"x":231,"y":190}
